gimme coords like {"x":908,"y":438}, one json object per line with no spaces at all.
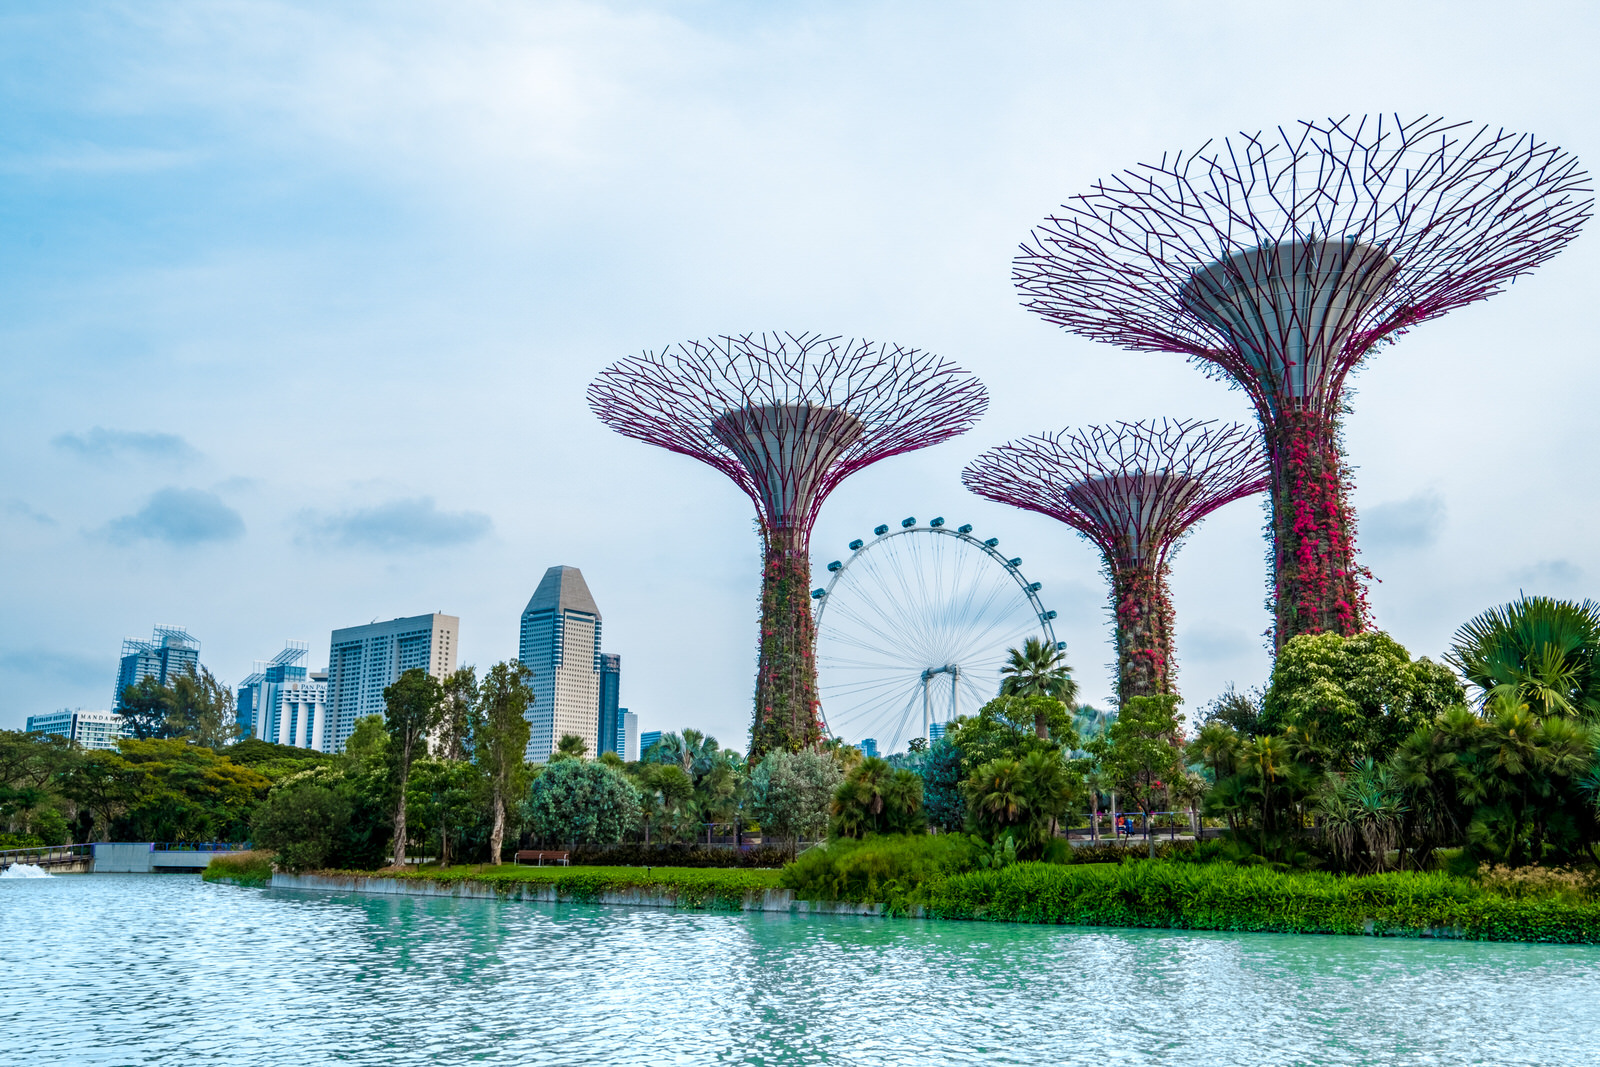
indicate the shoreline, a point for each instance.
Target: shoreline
{"x":644,"y":894}
{"x":713,"y":891}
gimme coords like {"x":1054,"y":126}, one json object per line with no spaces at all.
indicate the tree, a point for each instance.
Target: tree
{"x":303,"y":822}
{"x":1007,"y":727}
{"x":144,"y":708}
{"x":453,"y":739}
{"x":792,"y":792}
{"x":1144,"y":754}
{"x":1039,"y":668}
{"x":1240,"y":712}
{"x":1356,"y":696}
{"x":581,"y":802}
{"x":1537,"y":651}
{"x":368,"y":740}
{"x":571,"y":746}
{"x":942,"y":802}
{"x":503,"y":702}
{"x":184,"y":792}
{"x":103,"y":783}
{"x":411,"y":709}
{"x":201,"y":709}
{"x":1021,"y":799}
{"x":874,"y":798}
{"x":665,"y":794}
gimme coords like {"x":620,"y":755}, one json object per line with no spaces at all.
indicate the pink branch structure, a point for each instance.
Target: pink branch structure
{"x":1280,"y":261}
{"x":787,"y":417}
{"x":1134,"y":489}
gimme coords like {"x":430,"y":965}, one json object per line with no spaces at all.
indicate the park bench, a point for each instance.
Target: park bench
{"x":538,"y":858}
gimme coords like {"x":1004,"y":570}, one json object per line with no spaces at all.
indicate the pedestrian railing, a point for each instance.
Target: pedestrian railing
{"x":46,"y":856}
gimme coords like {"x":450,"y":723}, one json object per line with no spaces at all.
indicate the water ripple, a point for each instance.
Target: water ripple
{"x":149,"y":969}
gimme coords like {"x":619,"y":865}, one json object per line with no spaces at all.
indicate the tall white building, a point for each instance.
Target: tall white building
{"x":281,"y":703}
{"x":628,"y":736}
{"x":363,"y":660}
{"x":91,"y":729}
{"x":561,"y":645}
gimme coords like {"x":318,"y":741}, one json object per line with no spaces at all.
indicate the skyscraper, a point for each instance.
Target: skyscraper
{"x":610,"y":692}
{"x":561,"y":645}
{"x":628,"y":735}
{"x":648,"y":740}
{"x":170,"y":652}
{"x":362,"y":660}
{"x":91,"y":729}
{"x":281,"y":704}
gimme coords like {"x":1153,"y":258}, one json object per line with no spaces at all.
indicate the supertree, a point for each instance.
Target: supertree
{"x":1280,"y":261}
{"x":787,"y":417}
{"x":1134,"y":489}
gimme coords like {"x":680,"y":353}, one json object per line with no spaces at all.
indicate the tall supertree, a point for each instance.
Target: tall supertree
{"x":1134,"y":489}
{"x":1279,"y":261}
{"x":787,"y":417}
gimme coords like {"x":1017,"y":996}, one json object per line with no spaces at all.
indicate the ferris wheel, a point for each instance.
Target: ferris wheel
{"x":913,"y":628}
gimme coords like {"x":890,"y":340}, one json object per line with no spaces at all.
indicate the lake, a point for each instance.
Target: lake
{"x":147,"y":969}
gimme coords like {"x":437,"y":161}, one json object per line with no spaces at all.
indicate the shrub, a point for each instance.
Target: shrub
{"x":678,"y":855}
{"x":887,"y":869}
{"x":1226,"y":897}
{"x":1542,"y":883}
{"x":240,"y":868}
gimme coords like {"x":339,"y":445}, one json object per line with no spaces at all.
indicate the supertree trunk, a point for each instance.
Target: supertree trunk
{"x":786,"y":674}
{"x":1143,"y":611}
{"x":1317,"y":583}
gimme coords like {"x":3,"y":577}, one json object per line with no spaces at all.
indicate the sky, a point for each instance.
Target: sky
{"x":298,"y":303}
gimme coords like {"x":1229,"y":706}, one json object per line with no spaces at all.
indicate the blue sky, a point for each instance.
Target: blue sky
{"x":298,"y":303}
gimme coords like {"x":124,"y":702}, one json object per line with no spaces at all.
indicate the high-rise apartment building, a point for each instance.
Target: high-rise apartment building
{"x":91,"y":729}
{"x":171,"y":651}
{"x":561,"y":645}
{"x":281,"y":703}
{"x":363,"y":660}
{"x":610,"y":693}
{"x":628,"y":735}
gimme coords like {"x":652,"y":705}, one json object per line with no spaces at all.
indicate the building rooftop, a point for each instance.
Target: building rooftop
{"x":562,"y":589}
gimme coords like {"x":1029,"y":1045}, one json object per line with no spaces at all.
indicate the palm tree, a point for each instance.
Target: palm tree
{"x":1039,"y":669}
{"x":571,"y":746}
{"x":1537,"y":651}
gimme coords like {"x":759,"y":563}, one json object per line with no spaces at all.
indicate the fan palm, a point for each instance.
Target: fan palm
{"x":1537,"y":651}
{"x":1039,"y":669}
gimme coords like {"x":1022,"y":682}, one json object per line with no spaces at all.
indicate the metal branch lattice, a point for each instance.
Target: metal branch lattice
{"x":1133,"y":489}
{"x":787,"y":417}
{"x":1280,"y":261}
{"x":1383,"y":224}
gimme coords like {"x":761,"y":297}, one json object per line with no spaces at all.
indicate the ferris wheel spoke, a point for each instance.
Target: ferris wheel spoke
{"x":917,"y":619}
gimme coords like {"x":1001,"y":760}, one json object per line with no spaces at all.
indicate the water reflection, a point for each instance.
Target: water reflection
{"x":156,"y":969}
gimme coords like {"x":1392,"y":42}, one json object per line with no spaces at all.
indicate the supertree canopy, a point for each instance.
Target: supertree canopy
{"x":1280,"y":260}
{"x":787,"y":417}
{"x":1133,"y":489}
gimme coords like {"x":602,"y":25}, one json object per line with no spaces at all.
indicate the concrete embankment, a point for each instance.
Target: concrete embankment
{"x":767,"y":900}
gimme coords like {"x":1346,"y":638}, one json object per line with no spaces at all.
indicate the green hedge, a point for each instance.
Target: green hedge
{"x":678,"y":854}
{"x":1225,"y":897}
{"x":240,"y":868}
{"x":704,"y":888}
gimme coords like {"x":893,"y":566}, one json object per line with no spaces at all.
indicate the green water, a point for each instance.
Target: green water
{"x":152,"y":969}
